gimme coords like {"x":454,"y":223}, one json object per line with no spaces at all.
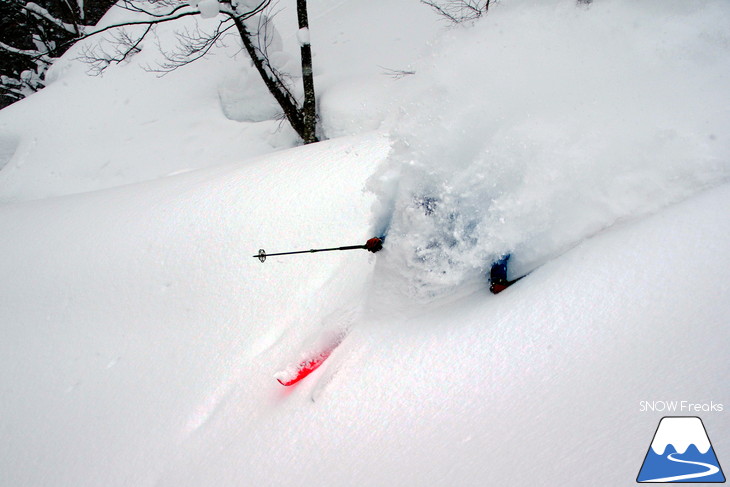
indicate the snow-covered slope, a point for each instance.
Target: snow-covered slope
{"x":140,"y":338}
{"x":128,"y":314}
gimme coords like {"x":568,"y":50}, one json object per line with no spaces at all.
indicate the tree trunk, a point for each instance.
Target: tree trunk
{"x":280,"y":93}
{"x":309,"y":107}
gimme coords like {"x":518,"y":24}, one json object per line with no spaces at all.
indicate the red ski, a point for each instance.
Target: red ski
{"x":291,"y":376}
{"x":294,"y":373}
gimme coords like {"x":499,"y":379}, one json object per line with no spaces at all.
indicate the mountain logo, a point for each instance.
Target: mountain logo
{"x":681,"y":452}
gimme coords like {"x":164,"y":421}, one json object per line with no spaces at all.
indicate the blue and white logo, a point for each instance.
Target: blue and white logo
{"x":681,"y":452}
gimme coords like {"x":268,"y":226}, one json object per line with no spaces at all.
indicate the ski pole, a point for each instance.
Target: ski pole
{"x":373,"y":245}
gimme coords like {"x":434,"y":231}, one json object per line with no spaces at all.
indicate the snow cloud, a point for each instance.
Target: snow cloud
{"x":539,"y":127}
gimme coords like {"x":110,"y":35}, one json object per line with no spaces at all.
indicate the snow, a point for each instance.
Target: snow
{"x":187,"y":119}
{"x":209,"y":9}
{"x":531,"y":157}
{"x":303,"y":36}
{"x":142,"y":339}
{"x":247,"y":5}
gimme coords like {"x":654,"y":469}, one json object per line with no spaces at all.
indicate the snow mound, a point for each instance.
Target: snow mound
{"x":538,"y":127}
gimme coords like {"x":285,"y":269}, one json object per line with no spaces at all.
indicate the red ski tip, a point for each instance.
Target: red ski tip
{"x":294,"y":373}
{"x":303,"y":370}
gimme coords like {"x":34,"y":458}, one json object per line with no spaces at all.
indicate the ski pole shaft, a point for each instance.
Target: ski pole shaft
{"x":372,"y":245}
{"x":262,"y":255}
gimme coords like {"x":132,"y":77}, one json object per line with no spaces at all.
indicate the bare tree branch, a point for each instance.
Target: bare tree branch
{"x":168,"y":18}
{"x":457,"y":11}
{"x":396,"y":73}
{"x":441,"y":10}
{"x":121,"y":25}
{"x":193,"y":46}
{"x":132,"y":7}
{"x":124,"y":46}
{"x":254,"y":27}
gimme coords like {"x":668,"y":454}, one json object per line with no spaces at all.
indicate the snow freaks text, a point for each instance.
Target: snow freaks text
{"x":680,"y":407}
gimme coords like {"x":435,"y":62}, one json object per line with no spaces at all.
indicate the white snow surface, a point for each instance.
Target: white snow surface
{"x":141,"y":338}
{"x":209,"y":9}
